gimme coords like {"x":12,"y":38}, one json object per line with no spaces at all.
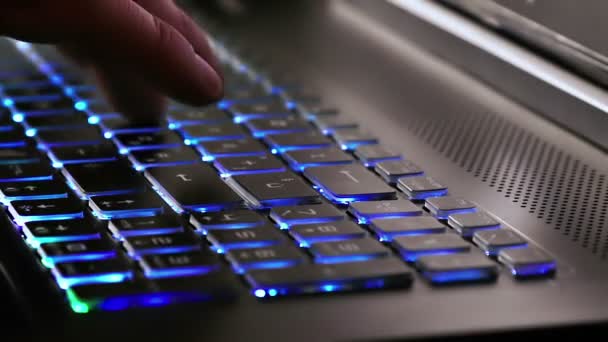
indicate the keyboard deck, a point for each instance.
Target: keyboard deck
{"x":270,"y":189}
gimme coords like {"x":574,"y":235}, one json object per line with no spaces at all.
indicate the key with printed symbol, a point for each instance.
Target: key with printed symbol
{"x":348,"y":251}
{"x":348,"y":183}
{"x":32,"y":190}
{"x":351,"y":139}
{"x":233,"y":166}
{"x":230,"y":148}
{"x":127,"y":205}
{"x":387,"y":229}
{"x":47,"y":209}
{"x":442,"y":207}
{"x":72,"y":251}
{"x":147,"y":141}
{"x":121,"y":125}
{"x":493,"y":241}
{"x":25,"y":172}
{"x":196,"y":116}
{"x":301,"y":159}
{"x":143,"y":159}
{"x":178,"y":264}
{"x":393,"y":170}
{"x":138,"y":246}
{"x":91,"y":179}
{"x":467,"y":224}
{"x":308,"y":234}
{"x":182,"y":185}
{"x":73,"y":120}
{"x":99,"y":153}
{"x":272,"y":189}
{"x":317,"y":278}
{"x":291,"y":124}
{"x":243,"y":260}
{"x":137,"y":226}
{"x":457,"y":268}
{"x":331,"y":123}
{"x":199,"y":133}
{"x":45,"y":106}
{"x":91,"y":272}
{"x":529,"y":262}
{"x":413,"y":247}
{"x":275,"y":108}
{"x":370,"y":155}
{"x":40,"y":232}
{"x":421,"y":187}
{"x":281,"y":143}
{"x":231,"y":219}
{"x":367,"y":211}
{"x":263,"y":236}
{"x":287,"y":216}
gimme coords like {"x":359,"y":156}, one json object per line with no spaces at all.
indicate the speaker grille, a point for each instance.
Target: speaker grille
{"x":557,"y":187}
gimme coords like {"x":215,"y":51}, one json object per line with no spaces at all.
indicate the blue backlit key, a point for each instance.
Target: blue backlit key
{"x":467,"y":224}
{"x":49,"y":105}
{"x":91,"y":272}
{"x":137,"y":246}
{"x":263,"y":258}
{"x":307,"y":234}
{"x":99,"y":153}
{"x":493,"y":241}
{"x":228,"y":239}
{"x":32,"y":190}
{"x":210,"y":150}
{"x":137,"y":226}
{"x":318,"y":278}
{"x":312,"y":110}
{"x":291,"y":124}
{"x":370,"y":155}
{"x":146,"y":141}
{"x":96,"y":179}
{"x":442,"y":207}
{"x":12,"y":138}
{"x":36,"y":89}
{"x":19,"y":155}
{"x":421,"y":187}
{"x":41,"y":232}
{"x":73,"y":121}
{"x":178,"y":264}
{"x":387,"y":229}
{"x":47,"y":209}
{"x":367,"y":211}
{"x":351,"y":139}
{"x":301,"y":159}
{"x":331,"y":123}
{"x":348,"y":251}
{"x":348,"y":183}
{"x":275,"y":108}
{"x":25,"y":172}
{"x":393,"y":170}
{"x":286,"y":216}
{"x":87,"y":135}
{"x":199,"y":133}
{"x":126,"y":205}
{"x":113,"y":125}
{"x":143,"y":159}
{"x":457,"y":268}
{"x":413,"y":247}
{"x":530,"y":262}
{"x":272,"y":189}
{"x":281,"y":143}
{"x":230,"y":219}
{"x":232,"y":166}
{"x":72,"y":251}
{"x":196,"y":116}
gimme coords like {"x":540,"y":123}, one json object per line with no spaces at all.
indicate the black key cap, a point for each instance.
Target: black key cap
{"x":98,"y":153}
{"x":530,"y":262}
{"x":91,"y":272}
{"x":248,"y":92}
{"x":308,"y":234}
{"x":347,"y":183}
{"x":370,"y":155}
{"x":48,"y":105}
{"x":420,"y":188}
{"x":71,"y":120}
{"x":348,"y":251}
{"x":228,"y":239}
{"x":18,"y":155}
{"x":198,"y":133}
{"x":163,"y":157}
{"x":262,"y":127}
{"x":297,"y":141}
{"x":492,"y":242}
{"x":138,"y":246}
{"x":126,"y":205}
{"x":120,"y":125}
{"x":393,"y":170}
{"x":442,"y":207}
{"x":230,"y":148}
{"x":301,"y":159}
{"x":25,"y":172}
{"x":137,"y":226}
{"x":242,"y":112}
{"x":32,"y":190}
{"x":387,"y":229}
{"x":37,"y":233}
{"x":287,"y":216}
{"x":367,"y":211}
{"x":350,"y":139}
{"x":73,"y":251}
{"x":196,"y":116}
{"x":243,"y":260}
{"x":182,"y":186}
{"x":467,"y":224}
{"x":87,"y":135}
{"x":380,"y":273}
{"x":111,"y":178}
{"x":310,"y":111}
{"x":179,"y":264}
{"x":214,"y":286}
{"x":111,"y":296}
{"x":328,"y":124}
{"x":12,"y":138}
{"x":147,"y":141}
{"x":414,"y":247}
{"x":233,"y":166}
{"x":48,"y":89}
{"x":457,"y":268}
{"x":272,"y":189}
{"x":48,"y":209}
{"x":232,"y":219}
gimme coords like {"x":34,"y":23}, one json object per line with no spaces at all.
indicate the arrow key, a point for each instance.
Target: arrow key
{"x":32,"y":191}
{"x":46,"y":210}
{"x":40,"y":232}
{"x":127,"y":205}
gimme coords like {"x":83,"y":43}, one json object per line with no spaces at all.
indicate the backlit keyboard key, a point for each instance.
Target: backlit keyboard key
{"x":331,"y":123}
{"x":528,"y":262}
{"x":308,"y":234}
{"x":318,"y":278}
{"x":228,"y":239}
{"x":137,"y":226}
{"x":179,"y":264}
{"x":263,"y":258}
{"x":41,"y":232}
{"x":414,"y":247}
{"x":87,"y":135}
{"x":367,"y":211}
{"x":73,"y":251}
{"x":32,"y":191}
{"x":199,"y":133}
{"x":99,"y":153}
{"x":137,"y":246}
{"x":370,"y":155}
{"x":212,"y":286}
{"x":232,"y":166}
{"x":113,"y":125}
{"x":442,"y":207}
{"x":147,"y":141}
{"x":96,"y":179}
{"x":457,"y":268}
{"x":211,"y":150}
{"x":287,"y":216}
{"x":40,"y":89}
{"x":126,"y":205}
{"x":196,"y":116}
{"x":50,"y":105}
{"x":143,"y":159}
{"x":493,"y":241}
{"x":348,"y":251}
{"x":25,"y":172}
{"x":467,"y":224}
{"x":275,"y":108}
{"x":12,"y":138}
{"x":421,"y":187}
{"x":273,"y":189}
{"x":19,"y":155}
{"x":48,"y":209}
{"x":348,"y":183}
{"x":231,"y":219}
{"x":91,"y":272}
{"x":301,"y":159}
{"x":350,"y":139}
{"x":74,"y":121}
{"x":297,"y":141}
{"x":393,"y":170}
{"x":262,"y":127}
{"x":111,"y":296}
{"x":387,"y":229}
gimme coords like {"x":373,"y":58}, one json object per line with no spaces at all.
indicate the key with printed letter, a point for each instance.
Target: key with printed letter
{"x":137,"y":246}
{"x":307,"y":234}
{"x":179,"y":264}
{"x":231,"y":219}
{"x":266,"y":257}
{"x":272,"y":189}
{"x":348,"y":251}
{"x":263,"y":236}
{"x":301,"y":159}
{"x":287,"y":216}
{"x":291,"y":124}
{"x":348,"y":183}
{"x":147,"y":141}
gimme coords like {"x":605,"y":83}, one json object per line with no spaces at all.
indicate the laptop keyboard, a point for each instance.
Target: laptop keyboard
{"x":269,"y":190}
